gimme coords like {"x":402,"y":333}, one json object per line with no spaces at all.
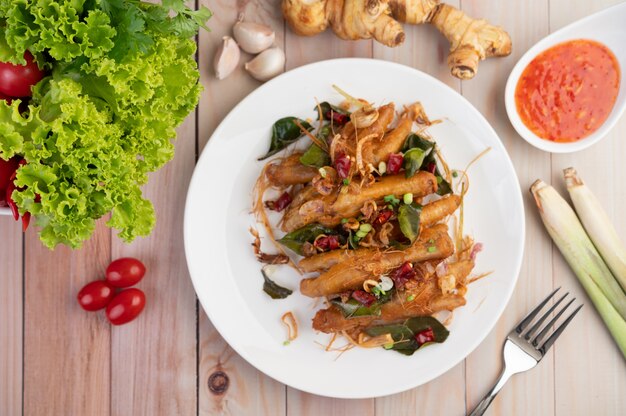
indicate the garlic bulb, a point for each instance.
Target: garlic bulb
{"x":267,"y":64}
{"x":253,"y":37}
{"x":226,"y":58}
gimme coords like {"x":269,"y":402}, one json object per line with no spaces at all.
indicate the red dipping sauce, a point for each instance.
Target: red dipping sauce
{"x":568,"y":91}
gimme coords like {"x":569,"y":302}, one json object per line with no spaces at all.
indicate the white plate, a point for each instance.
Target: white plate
{"x":607,"y":27}
{"x":227,"y":277}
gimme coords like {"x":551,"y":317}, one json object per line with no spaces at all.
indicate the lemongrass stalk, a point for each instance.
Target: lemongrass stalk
{"x":597,"y":225}
{"x":574,"y":243}
{"x":595,"y":277}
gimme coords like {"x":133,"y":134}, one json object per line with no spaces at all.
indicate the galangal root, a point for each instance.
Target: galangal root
{"x":471,"y":40}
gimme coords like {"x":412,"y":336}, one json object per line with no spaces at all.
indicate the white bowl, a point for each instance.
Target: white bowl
{"x":608,"y":27}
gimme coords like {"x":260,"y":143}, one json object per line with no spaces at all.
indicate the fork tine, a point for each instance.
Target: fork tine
{"x":531,"y":315}
{"x":546,"y":345}
{"x":540,"y":337}
{"x":536,"y":326}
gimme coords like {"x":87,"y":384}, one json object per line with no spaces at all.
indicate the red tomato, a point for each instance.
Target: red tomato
{"x":17,"y":80}
{"x":126,"y":306}
{"x":95,"y":295}
{"x":125,"y":272}
{"x":6,"y":98}
{"x":7,"y":167}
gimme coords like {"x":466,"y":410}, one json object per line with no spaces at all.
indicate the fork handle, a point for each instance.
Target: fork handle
{"x":486,"y":401}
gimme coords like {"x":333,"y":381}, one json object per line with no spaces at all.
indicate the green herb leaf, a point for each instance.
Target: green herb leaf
{"x":285,"y":132}
{"x":316,"y":157}
{"x":327,"y":108}
{"x":413,"y":160}
{"x":307,"y":234}
{"x":413,"y":141}
{"x":274,"y":290}
{"x":353,"y":308}
{"x":409,"y":220}
{"x":404,"y":334}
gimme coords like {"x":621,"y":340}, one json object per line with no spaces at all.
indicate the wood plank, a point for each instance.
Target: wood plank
{"x":427,"y":50}
{"x":153,"y":359}
{"x":66,"y":350}
{"x":301,"y":51}
{"x":590,"y":370}
{"x":530,"y":393}
{"x":249,"y":391}
{"x":11,"y":311}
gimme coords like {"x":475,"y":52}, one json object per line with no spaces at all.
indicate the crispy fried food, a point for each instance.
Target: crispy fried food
{"x":426,"y":299}
{"x":347,"y":205}
{"x":289,"y":171}
{"x":431,"y":213}
{"x":377,"y":151}
{"x":433,"y":243}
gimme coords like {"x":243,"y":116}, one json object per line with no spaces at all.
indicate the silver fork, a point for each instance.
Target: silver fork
{"x":523,"y":349}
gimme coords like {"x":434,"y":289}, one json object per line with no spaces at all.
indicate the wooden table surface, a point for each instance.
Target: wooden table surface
{"x":56,"y":359}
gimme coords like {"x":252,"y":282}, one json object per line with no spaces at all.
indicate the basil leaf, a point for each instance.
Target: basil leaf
{"x":353,"y":308}
{"x":413,"y":160}
{"x":274,"y":290}
{"x":409,"y":220}
{"x":414,"y":141}
{"x":404,"y":334}
{"x":315,"y":157}
{"x":327,"y":108}
{"x":307,"y":234}
{"x":285,"y":132}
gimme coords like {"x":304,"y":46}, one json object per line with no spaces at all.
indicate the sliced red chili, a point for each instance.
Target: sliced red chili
{"x":394,"y":164}
{"x":25,"y":221}
{"x":363,"y":297}
{"x":337,"y":118}
{"x":342,"y":165}
{"x":424,"y":336}
{"x":10,"y":202}
{"x":431,"y":167}
{"x":402,"y":274}
{"x":281,"y":203}
{"x":330,"y":242}
{"x":383,"y":216}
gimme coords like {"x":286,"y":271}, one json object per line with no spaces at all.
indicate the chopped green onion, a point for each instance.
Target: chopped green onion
{"x":597,"y":225}
{"x":344,"y":220}
{"x":432,"y":249}
{"x":455,"y":173}
{"x":388,"y":346}
{"x":390,"y":207}
{"x":391,"y":199}
{"x":408,"y":198}
{"x":594,"y":275}
{"x":410,"y":298}
{"x":382,"y":168}
{"x":346,"y":181}
{"x":287,"y":342}
{"x":365,"y":228}
{"x":361,"y":234}
{"x":322,"y":172}
{"x":439,"y":180}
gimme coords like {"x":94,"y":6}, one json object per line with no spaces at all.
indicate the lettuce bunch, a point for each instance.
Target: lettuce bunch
{"x":122,"y":77}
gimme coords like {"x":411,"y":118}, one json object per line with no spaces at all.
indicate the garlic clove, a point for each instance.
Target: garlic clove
{"x":226,"y":58}
{"x":253,"y":37}
{"x":267,"y":64}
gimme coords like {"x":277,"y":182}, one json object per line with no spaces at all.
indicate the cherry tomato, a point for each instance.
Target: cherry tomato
{"x":17,"y":80}
{"x":125,"y":272}
{"x":95,"y":295}
{"x":126,"y":306}
{"x":6,"y":98}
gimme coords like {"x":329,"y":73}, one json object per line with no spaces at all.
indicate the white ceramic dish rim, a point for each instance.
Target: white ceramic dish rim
{"x":469,"y":347}
{"x":562,"y":35}
{"x":5,"y":211}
